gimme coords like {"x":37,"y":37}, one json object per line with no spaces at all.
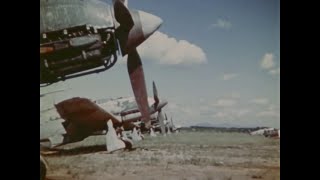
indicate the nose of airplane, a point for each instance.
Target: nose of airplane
{"x":149,"y":23}
{"x":145,"y":24}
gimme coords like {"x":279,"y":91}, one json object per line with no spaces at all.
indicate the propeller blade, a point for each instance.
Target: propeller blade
{"x":155,"y":95}
{"x":124,"y":18}
{"x":171,"y":122}
{"x":161,"y":120}
{"x":138,"y":84}
{"x":122,"y":15}
{"x":125,"y":2}
{"x":135,"y":27}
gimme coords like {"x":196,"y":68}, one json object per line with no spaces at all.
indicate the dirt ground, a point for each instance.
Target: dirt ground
{"x":204,"y":155}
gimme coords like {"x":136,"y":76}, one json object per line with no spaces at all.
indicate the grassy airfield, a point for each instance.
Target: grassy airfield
{"x":189,"y":155}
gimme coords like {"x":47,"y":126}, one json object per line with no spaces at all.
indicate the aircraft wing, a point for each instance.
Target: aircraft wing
{"x":129,"y":111}
{"x":83,"y":118}
{"x":152,"y":110}
{"x":52,"y":92}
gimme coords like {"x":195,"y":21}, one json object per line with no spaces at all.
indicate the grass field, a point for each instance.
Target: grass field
{"x":203,"y":155}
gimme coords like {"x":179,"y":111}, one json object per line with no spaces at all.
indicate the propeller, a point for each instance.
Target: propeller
{"x":135,"y":27}
{"x":156,"y":103}
{"x":167,"y":121}
{"x":161,"y":120}
{"x":172,"y":123}
{"x":155,"y":95}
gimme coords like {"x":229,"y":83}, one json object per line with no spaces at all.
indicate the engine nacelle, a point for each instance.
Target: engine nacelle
{"x":72,"y":52}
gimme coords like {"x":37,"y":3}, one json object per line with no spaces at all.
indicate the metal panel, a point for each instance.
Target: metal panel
{"x":61,"y":14}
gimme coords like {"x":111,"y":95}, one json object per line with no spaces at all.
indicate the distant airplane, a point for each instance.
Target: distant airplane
{"x":129,"y":111}
{"x":171,"y":126}
{"x":267,"y":132}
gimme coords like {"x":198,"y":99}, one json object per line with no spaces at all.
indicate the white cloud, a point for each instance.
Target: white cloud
{"x":260,"y":101}
{"x":275,"y":71}
{"x":235,"y":95}
{"x":205,"y":108}
{"x":268,"y":113}
{"x":229,"y":76}
{"x":221,"y":23}
{"x":167,"y":50}
{"x":183,"y":114}
{"x":242,"y":112}
{"x":201,"y":100}
{"x":220,"y":115}
{"x":225,"y":103}
{"x":231,"y":114}
{"x":273,"y":107}
{"x":267,"y":61}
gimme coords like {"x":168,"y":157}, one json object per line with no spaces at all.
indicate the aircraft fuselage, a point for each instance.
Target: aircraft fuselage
{"x":75,"y":37}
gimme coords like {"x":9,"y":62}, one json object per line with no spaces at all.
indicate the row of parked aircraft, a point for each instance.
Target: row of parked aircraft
{"x":82,"y":117}
{"x":118,"y":119}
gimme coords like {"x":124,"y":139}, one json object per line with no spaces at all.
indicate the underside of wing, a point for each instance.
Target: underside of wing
{"x":83,"y":118}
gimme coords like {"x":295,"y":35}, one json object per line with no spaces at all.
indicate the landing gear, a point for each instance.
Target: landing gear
{"x":113,"y":142}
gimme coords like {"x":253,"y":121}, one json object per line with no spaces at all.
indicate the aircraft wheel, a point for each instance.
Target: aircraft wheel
{"x":128,"y":144}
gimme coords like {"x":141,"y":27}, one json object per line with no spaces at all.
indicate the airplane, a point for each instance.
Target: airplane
{"x":272,"y":133}
{"x":89,"y":40}
{"x":170,"y":126}
{"x":126,"y":109}
{"x":78,"y":38}
{"x":267,"y":132}
{"x":84,"y":117}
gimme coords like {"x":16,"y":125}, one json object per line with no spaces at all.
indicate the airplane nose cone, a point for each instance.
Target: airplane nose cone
{"x":149,"y":23}
{"x":145,"y":25}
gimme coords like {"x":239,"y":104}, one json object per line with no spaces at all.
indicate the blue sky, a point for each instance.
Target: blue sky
{"x":215,"y":61}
